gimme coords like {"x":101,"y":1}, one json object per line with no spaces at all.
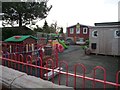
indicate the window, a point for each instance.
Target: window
{"x":78,"y":30}
{"x":10,"y":49}
{"x":93,"y":45}
{"x":85,"y":30}
{"x":32,"y":49}
{"x":117,"y":34}
{"x":26,"y":49}
{"x":71,"y":30}
{"x":95,"y":33}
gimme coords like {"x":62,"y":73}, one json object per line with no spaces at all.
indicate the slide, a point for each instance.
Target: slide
{"x":63,"y":44}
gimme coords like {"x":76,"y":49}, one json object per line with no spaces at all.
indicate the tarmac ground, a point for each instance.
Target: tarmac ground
{"x":74,"y":55}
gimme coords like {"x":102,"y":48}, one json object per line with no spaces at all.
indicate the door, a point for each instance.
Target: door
{"x":101,"y":42}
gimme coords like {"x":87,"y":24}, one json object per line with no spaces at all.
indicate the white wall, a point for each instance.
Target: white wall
{"x":106,"y":42}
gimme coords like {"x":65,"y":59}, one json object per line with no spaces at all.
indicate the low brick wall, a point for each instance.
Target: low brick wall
{"x":14,"y":79}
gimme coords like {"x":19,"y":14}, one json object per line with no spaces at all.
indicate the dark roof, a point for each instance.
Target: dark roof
{"x":107,"y":23}
{"x":79,"y":24}
{"x":19,"y":38}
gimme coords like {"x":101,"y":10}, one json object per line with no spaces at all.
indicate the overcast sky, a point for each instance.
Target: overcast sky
{"x":88,"y":12}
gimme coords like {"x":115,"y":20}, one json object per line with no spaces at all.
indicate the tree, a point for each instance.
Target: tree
{"x":46,"y":28}
{"x":55,"y":27}
{"x":52,"y":28}
{"x":61,"y":30}
{"x":38,"y":29}
{"x":24,"y":13}
{"x":12,"y":31}
{"x":49,"y":29}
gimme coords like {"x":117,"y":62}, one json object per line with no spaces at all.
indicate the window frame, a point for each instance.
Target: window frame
{"x":115,"y":34}
{"x":77,"y":30}
{"x":71,"y":30}
{"x":84,"y":30}
{"x":93,"y":34}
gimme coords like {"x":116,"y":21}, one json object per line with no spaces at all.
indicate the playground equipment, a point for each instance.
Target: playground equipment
{"x":63,"y":44}
{"x":41,"y":56}
{"x":25,"y":47}
{"x":49,"y":38}
{"x":55,"y":44}
{"x":58,"y":40}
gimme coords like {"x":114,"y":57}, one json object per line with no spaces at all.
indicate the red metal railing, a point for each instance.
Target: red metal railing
{"x":117,"y":78}
{"x":60,"y":65}
{"x":99,"y":67}
{"x":26,"y":64}
{"x":84,"y":70}
{"x":116,"y":84}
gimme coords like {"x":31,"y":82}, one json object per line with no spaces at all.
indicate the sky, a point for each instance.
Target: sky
{"x":70,"y":12}
{"x":87,"y":12}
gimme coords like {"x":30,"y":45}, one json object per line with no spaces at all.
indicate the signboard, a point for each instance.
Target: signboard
{"x":78,"y":28}
{"x":78,"y":25}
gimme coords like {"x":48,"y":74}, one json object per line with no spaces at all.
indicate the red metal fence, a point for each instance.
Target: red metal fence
{"x":36,"y":68}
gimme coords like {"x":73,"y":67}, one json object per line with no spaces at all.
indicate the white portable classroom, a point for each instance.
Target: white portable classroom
{"x":105,"y":38}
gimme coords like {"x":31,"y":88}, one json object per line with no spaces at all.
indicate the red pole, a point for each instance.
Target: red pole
{"x":117,"y":79}
{"x":8,"y":57}
{"x":28,"y":56}
{"x":41,"y":74}
{"x":56,"y":53}
{"x":52,"y":68}
{"x":40,"y":61}
{"x":14,"y":58}
{"x":66,"y":72}
{"x":2,"y":56}
{"x":94,"y":74}
{"x":31,"y":67}
{"x":84,"y":70}
{"x":21,"y":60}
{"x":36,"y":65}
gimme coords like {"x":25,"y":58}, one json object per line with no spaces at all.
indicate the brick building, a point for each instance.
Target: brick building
{"x":76,"y":32}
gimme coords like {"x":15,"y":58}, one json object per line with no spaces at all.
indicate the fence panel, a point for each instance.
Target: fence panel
{"x":116,"y":84}
{"x":60,"y":65}
{"x":84,"y":70}
{"x":94,"y":75}
{"x":39,"y":67}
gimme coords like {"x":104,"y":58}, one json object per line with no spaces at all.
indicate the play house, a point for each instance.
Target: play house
{"x":105,"y":38}
{"x":24,"y":44}
{"x":78,"y":31}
